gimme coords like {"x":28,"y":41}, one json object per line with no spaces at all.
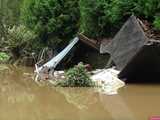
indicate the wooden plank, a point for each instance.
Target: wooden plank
{"x":90,"y":42}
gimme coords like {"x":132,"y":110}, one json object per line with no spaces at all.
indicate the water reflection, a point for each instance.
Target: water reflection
{"x":22,"y":99}
{"x":117,"y":107}
{"x":79,"y":98}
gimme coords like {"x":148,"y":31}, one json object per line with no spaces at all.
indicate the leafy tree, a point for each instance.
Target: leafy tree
{"x":19,"y":39}
{"x":146,"y":8}
{"x":100,"y":17}
{"x":92,"y":14}
{"x":9,"y":16}
{"x":52,"y":20}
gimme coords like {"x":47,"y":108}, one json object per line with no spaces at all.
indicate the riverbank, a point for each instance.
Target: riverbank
{"x":26,"y":32}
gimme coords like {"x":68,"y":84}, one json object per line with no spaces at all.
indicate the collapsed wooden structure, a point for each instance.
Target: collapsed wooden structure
{"x":134,"y":54}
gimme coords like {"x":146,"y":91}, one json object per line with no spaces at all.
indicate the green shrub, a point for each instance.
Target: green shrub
{"x":18,"y":36}
{"x":19,"y":39}
{"x":157,"y":22}
{"x":100,"y":17}
{"x":77,"y":77}
{"x":4,"y":57}
{"x":92,"y":12}
{"x":52,"y":20}
{"x":117,"y":9}
{"x":122,"y":9}
{"x":146,"y":8}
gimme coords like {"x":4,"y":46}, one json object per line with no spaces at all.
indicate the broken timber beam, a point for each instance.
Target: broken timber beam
{"x":90,"y":42}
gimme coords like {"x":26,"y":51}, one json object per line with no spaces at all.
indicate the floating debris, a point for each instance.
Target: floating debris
{"x":107,"y":81}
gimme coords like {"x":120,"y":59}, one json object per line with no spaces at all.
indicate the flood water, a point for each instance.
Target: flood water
{"x":23,"y":99}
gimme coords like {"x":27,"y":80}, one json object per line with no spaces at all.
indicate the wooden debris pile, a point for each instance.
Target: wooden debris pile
{"x":149,"y":30}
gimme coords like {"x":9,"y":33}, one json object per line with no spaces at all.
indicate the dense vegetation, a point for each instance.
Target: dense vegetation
{"x":99,"y":18}
{"x":9,"y":16}
{"x":53,"y":21}
{"x":20,"y":40}
{"x":27,"y":26}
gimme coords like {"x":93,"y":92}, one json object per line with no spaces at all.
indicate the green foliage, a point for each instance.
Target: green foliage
{"x":157,"y":22}
{"x":116,"y":10}
{"x":52,"y":20}
{"x":100,"y":17}
{"x":146,"y":8}
{"x":21,"y":41}
{"x":19,"y":36}
{"x":9,"y":16}
{"x":77,"y":77}
{"x":10,"y":11}
{"x":4,"y":57}
{"x":92,"y":13}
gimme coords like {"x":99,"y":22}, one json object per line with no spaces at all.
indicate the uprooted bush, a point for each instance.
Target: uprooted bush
{"x":76,"y":77}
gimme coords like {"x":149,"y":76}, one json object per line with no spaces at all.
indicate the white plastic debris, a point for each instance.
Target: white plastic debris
{"x":107,"y":81}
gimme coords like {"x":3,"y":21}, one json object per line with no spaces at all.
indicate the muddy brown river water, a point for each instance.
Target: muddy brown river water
{"x":23,"y":99}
